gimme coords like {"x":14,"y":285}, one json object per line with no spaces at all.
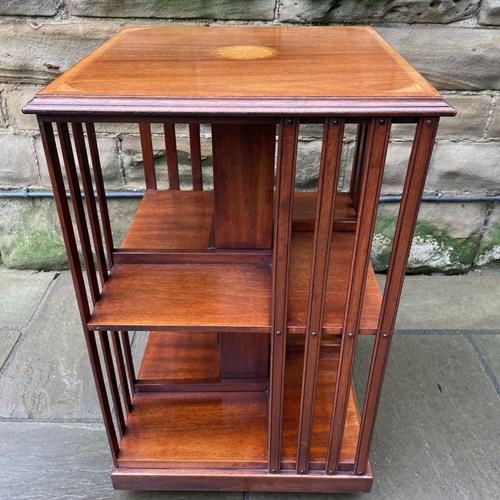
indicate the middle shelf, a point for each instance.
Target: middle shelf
{"x":231,"y":297}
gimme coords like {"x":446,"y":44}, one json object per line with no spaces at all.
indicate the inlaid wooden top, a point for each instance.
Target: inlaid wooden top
{"x":255,"y":70}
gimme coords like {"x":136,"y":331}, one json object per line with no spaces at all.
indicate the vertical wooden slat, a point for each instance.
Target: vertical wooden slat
{"x":101,"y":393}
{"x":83,"y":162}
{"x":129,"y":360}
{"x":147,"y":155}
{"x":113,"y":384}
{"x":171,"y":155}
{"x":76,"y":198}
{"x":81,"y":223}
{"x":358,"y":163}
{"x":328,"y":178}
{"x":285,"y":182}
{"x":122,"y":374}
{"x":369,"y":194}
{"x":195,"y":146}
{"x":101,"y":193}
{"x":412,"y":193}
{"x":51,"y":154}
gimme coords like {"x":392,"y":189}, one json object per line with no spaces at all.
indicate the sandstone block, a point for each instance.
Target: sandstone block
{"x":465,"y":168}
{"x":16,"y":97}
{"x":494,"y":129}
{"x":490,"y":12}
{"x":108,"y":153}
{"x":17,"y":161}
{"x":445,"y":240}
{"x":133,"y":168}
{"x":195,"y":9}
{"x":30,"y":235}
{"x":489,"y":249}
{"x":38,"y":54}
{"x":470,"y":121}
{"x":451,"y":58}
{"x":28,"y":8}
{"x":3,"y":123}
{"x":402,"y":11}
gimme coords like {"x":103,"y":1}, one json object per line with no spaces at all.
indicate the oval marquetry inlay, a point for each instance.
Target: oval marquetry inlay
{"x":245,"y":52}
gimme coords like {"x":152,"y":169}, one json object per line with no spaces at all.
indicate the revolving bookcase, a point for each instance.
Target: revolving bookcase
{"x":252,"y":294}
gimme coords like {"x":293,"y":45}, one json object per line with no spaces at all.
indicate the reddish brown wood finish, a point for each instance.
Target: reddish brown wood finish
{"x":171,"y":155}
{"x":243,"y":184}
{"x":407,"y":218}
{"x":287,"y":158}
{"x":220,"y":276}
{"x":328,"y":179}
{"x":367,"y":211}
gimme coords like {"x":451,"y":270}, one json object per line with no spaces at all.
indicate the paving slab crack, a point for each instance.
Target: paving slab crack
{"x":488,"y":370}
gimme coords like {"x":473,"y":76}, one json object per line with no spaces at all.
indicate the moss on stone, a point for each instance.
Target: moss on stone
{"x":432,"y":250}
{"x":35,"y":249}
{"x":489,"y":249}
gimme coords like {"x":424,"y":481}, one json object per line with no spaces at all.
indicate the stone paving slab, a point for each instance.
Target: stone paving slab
{"x":437,"y":434}
{"x":20,"y":293}
{"x":49,"y":376}
{"x":489,"y":350}
{"x":468,"y":302}
{"x":60,"y":461}
{"x":7,"y":342}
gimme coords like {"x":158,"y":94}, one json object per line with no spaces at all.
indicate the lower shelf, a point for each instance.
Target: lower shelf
{"x":220,"y":430}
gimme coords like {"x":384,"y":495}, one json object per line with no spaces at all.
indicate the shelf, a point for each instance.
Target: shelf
{"x":228,"y":297}
{"x":201,"y":297}
{"x":174,"y":220}
{"x":203,"y":430}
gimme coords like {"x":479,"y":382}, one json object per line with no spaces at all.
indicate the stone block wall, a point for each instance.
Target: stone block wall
{"x":454,"y":43}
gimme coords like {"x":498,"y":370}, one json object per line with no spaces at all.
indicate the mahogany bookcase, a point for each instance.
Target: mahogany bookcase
{"x":252,"y":294}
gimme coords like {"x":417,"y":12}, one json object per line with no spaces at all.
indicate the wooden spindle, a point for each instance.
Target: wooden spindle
{"x":407,"y":218}
{"x":195,"y":146}
{"x":171,"y":155}
{"x":148,"y":155}
{"x":369,"y":195}
{"x":285,"y":184}
{"x":333,"y":135}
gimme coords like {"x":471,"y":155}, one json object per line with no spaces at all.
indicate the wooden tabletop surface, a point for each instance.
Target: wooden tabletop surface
{"x":263,"y":65}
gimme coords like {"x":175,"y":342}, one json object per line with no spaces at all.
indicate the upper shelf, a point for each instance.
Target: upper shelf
{"x":242,"y":71}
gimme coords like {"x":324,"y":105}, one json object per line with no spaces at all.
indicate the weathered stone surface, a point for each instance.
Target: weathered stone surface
{"x":28,"y":8}
{"x":470,"y":121}
{"x":494,"y":129}
{"x":466,"y":168}
{"x":456,"y":168}
{"x":50,"y":375}
{"x":38,"y":54}
{"x":442,"y":241}
{"x":17,"y":161}
{"x":131,"y":158}
{"x":489,"y":347}
{"x":451,"y":58}
{"x":3,"y":123}
{"x":489,"y":249}
{"x":490,"y":12}
{"x":8,"y":340}
{"x":20,"y":294}
{"x":349,"y":11}
{"x":108,"y":154}
{"x":30,"y":236}
{"x":16,"y":97}
{"x":197,"y":9}
{"x":67,"y":460}
{"x":121,"y":213}
{"x":439,"y":302}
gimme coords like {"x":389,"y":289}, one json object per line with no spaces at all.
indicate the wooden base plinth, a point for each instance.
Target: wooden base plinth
{"x":238,"y":480}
